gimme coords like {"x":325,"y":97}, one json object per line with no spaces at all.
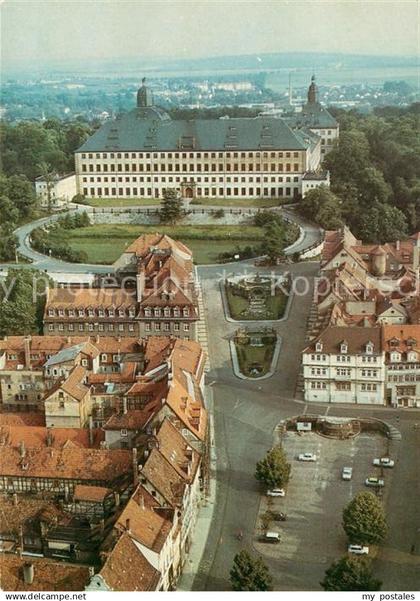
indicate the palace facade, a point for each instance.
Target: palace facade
{"x":144,"y":151}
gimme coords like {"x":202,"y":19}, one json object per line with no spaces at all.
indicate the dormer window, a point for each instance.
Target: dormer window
{"x":167,"y":312}
{"x":186,"y":312}
{"x":157,"y":312}
{"x":148,"y":312}
{"x":132,"y":313}
{"x":121,"y":313}
{"x":177,"y":312}
{"x":318,"y":347}
{"x":395,"y":356}
{"x":412,"y":356}
{"x":101,"y":313}
{"x":369,"y":348}
{"x":343,"y":347}
{"x":51,"y":312}
{"x":81,"y":312}
{"x":104,"y":357}
{"x":91,"y":313}
{"x":111,"y":312}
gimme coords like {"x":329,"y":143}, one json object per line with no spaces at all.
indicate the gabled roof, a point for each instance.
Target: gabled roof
{"x":356,"y":339}
{"x":127,"y":569}
{"x":69,"y":463}
{"x":73,"y":385}
{"x":70,"y":353}
{"x":92,"y":494}
{"x":146,"y":524}
{"x":164,"y":478}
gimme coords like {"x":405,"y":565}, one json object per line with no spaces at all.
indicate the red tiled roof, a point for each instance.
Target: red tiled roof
{"x":127,"y":569}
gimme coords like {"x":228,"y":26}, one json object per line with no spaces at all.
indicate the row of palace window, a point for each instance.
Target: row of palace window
{"x":345,"y":358}
{"x":344,"y":386}
{"x":90,"y":327}
{"x":185,"y":155}
{"x":405,"y":378}
{"x":148,"y":312}
{"x":162,"y":180}
{"x":322,"y":371}
{"x":206,"y":167}
{"x":156,"y":192}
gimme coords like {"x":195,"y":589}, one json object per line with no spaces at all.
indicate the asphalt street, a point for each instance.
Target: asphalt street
{"x":246,"y":414}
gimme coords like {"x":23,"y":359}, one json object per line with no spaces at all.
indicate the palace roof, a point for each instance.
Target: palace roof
{"x":139,"y":130}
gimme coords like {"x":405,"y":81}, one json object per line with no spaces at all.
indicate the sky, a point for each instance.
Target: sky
{"x":46,"y":30}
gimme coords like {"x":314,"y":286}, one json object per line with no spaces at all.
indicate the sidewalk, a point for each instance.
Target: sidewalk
{"x":205,"y":515}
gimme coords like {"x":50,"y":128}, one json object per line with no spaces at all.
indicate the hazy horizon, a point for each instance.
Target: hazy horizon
{"x":108,"y":30}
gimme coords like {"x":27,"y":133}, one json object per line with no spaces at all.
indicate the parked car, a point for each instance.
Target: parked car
{"x":374,"y":482}
{"x":307,"y":457}
{"x":278,"y":516}
{"x":270,"y":537}
{"x":276,"y":492}
{"x":358,"y":549}
{"x":384,"y":462}
{"x":347,"y":473}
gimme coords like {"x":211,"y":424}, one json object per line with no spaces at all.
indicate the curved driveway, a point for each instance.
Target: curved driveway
{"x":310,"y":234}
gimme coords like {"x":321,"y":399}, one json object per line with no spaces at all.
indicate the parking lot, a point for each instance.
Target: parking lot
{"x":316,"y":495}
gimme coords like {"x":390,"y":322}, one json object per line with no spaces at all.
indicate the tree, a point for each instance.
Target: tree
{"x":8,"y":242}
{"x":274,"y":241}
{"x":249,"y":573}
{"x":22,"y":302}
{"x":273,"y":470}
{"x":171,"y":210}
{"x":350,"y":574}
{"x":322,"y":206}
{"x":364,"y":519}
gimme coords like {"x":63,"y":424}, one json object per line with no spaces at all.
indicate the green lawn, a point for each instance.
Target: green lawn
{"x":249,"y":355}
{"x":276,"y":306}
{"x":105,"y":243}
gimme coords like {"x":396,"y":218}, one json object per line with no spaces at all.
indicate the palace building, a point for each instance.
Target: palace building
{"x":144,"y":151}
{"x":153,"y":292}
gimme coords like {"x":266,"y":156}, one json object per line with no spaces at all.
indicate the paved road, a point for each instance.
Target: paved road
{"x":246,"y":414}
{"x":310,"y":235}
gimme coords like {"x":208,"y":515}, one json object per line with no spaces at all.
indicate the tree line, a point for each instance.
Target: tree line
{"x":375,"y":176}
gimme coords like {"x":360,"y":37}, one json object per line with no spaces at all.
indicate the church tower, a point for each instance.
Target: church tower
{"x":313,"y":92}
{"x":144,"y":95}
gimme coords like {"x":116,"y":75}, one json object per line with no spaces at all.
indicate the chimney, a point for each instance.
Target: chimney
{"x":97,"y":339}
{"x":91,"y":571}
{"x":28,"y":573}
{"x":140,"y":283}
{"x":22,"y":449}
{"x":142,"y":501}
{"x":117,"y":499}
{"x":21,"y":537}
{"x":127,"y":524}
{"x":416,"y":252}
{"x":15,"y":499}
{"x":124,"y":402}
{"x":397,"y":245}
{"x":49,"y":437}
{"x":135,"y":468}
{"x":27,"y":349}
{"x":90,"y":431}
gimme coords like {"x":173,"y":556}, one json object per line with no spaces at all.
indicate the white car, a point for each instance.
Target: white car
{"x":307,"y":457}
{"x":347,"y":473}
{"x":384,"y":462}
{"x":276,"y":492}
{"x":374,"y":482}
{"x":358,"y":549}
